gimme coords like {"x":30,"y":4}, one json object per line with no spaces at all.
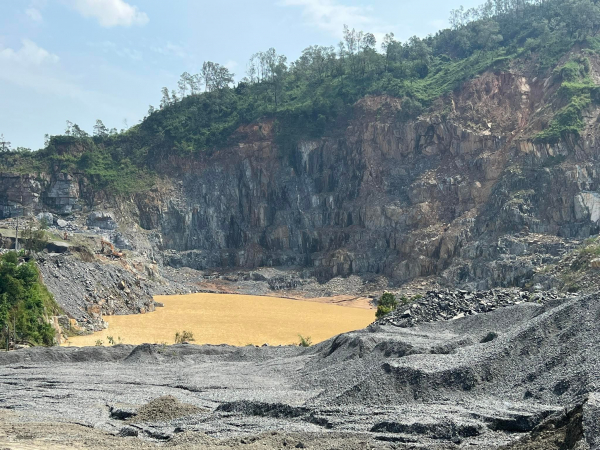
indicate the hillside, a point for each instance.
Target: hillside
{"x":465,"y":159}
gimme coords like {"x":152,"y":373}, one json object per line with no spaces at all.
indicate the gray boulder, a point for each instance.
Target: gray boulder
{"x":102,"y":219}
{"x":60,"y":223}
{"x":45,"y":217}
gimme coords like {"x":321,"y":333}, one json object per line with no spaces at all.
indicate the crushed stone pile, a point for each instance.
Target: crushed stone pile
{"x":164,"y":409}
{"x":454,"y":304}
{"x":523,"y":375}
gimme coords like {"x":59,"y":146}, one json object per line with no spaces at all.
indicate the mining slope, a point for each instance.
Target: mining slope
{"x":522,"y":375}
{"x":444,"y":195}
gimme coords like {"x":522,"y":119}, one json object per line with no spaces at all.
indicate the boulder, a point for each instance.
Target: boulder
{"x":45,"y":217}
{"x":122,"y":242}
{"x":102,"y":219}
{"x":595,"y":263}
{"x":60,"y":223}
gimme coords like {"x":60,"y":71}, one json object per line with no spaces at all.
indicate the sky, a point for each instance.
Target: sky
{"x":82,"y":60}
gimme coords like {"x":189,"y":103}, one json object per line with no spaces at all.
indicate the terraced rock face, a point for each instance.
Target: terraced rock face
{"x":434,"y":385}
{"x":466,"y":195}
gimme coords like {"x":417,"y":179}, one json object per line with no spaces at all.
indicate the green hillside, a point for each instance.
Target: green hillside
{"x":312,"y":96}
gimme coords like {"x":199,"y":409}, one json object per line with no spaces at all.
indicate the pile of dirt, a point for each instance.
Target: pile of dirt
{"x":163,"y":409}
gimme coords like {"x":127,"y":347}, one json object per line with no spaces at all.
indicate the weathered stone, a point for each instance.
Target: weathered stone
{"x":46,"y":217}
{"x":103,"y":220}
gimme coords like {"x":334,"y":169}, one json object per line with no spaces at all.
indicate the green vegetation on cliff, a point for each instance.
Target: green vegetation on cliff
{"x":312,"y":96}
{"x":25,"y":303}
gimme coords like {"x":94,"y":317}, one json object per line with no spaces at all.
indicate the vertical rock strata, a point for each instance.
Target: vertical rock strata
{"x":441,"y":195}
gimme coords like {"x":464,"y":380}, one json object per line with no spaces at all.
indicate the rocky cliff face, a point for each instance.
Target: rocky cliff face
{"x":464,"y":194}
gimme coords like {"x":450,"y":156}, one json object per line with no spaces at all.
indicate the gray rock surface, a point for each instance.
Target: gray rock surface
{"x":102,"y":219}
{"x":591,"y":420}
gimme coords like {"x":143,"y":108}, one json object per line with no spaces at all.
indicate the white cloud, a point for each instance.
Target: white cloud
{"x":35,"y":68}
{"x":34,"y":14}
{"x":30,"y":54}
{"x":110,"y":13}
{"x":331,"y":16}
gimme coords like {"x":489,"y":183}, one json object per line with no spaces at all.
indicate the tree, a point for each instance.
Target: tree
{"x":387,"y":303}
{"x":69,"y":128}
{"x":215,"y":76}
{"x":34,"y":240}
{"x":100,"y":129}
{"x":77,"y":132}
{"x":183,"y":83}
{"x":194,"y":83}
{"x":25,"y":303}
{"x":388,"y":46}
{"x":4,"y":144}
{"x":166,"y":98}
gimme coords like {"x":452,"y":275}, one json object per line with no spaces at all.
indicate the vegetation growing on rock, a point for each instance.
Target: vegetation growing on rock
{"x":25,"y":303}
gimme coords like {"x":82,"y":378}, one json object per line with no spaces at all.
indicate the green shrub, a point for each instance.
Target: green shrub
{"x":382,"y":311}
{"x":387,"y":303}
{"x":305,"y":341}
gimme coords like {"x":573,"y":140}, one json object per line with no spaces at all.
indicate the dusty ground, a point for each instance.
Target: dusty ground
{"x":481,"y":381}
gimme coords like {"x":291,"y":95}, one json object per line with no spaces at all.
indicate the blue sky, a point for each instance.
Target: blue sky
{"x":82,"y":60}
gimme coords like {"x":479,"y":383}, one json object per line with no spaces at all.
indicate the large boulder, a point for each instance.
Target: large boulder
{"x":45,"y":217}
{"x":102,"y":219}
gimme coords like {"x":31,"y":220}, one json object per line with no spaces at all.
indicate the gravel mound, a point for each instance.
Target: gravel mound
{"x":483,"y":380}
{"x":164,"y":409}
{"x":447,"y":305}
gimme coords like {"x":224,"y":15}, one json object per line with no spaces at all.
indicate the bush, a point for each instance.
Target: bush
{"x":184,"y":336}
{"x":382,"y":311}
{"x":305,"y":341}
{"x":387,"y":303}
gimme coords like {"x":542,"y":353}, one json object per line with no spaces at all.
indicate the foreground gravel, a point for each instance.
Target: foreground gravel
{"x":521,"y":376}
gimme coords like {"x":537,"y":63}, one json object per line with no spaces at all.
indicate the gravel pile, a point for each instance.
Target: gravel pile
{"x":450,"y":305}
{"x":481,"y":381}
{"x":164,"y":409}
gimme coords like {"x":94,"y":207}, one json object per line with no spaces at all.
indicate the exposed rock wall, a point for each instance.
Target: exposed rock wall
{"x":435,"y":196}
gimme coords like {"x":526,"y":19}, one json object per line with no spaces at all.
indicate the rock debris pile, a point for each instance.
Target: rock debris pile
{"x":451,"y":305}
